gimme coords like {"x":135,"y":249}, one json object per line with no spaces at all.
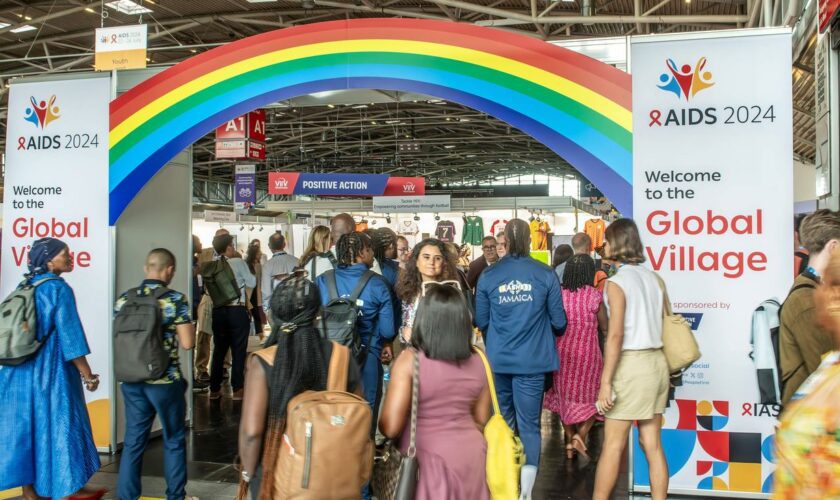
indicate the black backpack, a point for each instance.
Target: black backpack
{"x":339,"y":316}
{"x":139,"y":354}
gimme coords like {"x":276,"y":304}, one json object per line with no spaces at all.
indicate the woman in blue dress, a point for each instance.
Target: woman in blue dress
{"x":46,"y":438}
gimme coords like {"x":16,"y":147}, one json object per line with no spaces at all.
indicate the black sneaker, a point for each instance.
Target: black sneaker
{"x":203,"y":378}
{"x":199,"y":386}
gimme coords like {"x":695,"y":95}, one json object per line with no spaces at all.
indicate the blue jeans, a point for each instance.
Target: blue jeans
{"x":520,"y":399}
{"x":142,"y":402}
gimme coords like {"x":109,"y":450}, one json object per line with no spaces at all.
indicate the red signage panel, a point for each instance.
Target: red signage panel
{"x":256,"y":125}
{"x":827,"y":9}
{"x":233,"y":129}
{"x":405,"y":186}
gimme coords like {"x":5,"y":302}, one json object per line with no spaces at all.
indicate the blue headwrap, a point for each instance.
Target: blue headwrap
{"x":43,"y":251}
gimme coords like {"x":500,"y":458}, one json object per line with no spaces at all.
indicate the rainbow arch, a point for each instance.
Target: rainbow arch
{"x":576,"y":106}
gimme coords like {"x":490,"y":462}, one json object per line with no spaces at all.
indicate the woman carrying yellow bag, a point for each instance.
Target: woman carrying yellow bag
{"x":505,"y":456}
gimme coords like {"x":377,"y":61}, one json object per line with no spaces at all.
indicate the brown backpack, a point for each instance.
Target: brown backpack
{"x":327,"y":451}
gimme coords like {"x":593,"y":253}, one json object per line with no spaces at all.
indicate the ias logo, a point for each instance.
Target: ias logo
{"x":42,"y":113}
{"x":685,"y":81}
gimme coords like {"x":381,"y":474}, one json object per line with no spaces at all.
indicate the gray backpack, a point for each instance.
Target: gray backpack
{"x":139,"y":354}
{"x":18,"y":330}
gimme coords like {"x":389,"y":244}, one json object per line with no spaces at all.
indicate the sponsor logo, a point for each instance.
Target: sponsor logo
{"x":41,"y":113}
{"x":409,"y":187}
{"x":245,"y":192}
{"x":281,"y":183}
{"x":685,"y":81}
{"x":760,"y":410}
{"x":692,"y":319}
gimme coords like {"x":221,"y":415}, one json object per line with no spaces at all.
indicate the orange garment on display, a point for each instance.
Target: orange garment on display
{"x":361,"y":226}
{"x":539,"y":234}
{"x":594,"y":228}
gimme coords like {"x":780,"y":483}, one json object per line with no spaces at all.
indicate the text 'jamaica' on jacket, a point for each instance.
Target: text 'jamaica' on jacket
{"x":376,"y":322}
{"x":518,"y":305}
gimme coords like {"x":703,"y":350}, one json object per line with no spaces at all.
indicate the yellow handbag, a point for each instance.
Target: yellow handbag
{"x":505,"y":455}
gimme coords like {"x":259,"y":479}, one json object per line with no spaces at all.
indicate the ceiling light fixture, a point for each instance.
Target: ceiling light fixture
{"x":331,"y":106}
{"x":88,"y":9}
{"x":128,"y":7}
{"x":23,"y":28}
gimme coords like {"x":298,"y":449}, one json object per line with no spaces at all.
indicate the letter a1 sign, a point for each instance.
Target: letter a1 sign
{"x":243,"y":137}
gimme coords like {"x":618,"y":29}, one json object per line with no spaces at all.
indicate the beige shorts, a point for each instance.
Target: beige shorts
{"x":641,"y":384}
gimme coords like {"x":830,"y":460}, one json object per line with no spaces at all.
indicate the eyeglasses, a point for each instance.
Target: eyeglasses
{"x":453,"y":283}
{"x":402,"y":250}
{"x":491,"y":247}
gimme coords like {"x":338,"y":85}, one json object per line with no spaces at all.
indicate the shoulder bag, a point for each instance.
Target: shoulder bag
{"x":505,"y":454}
{"x":678,"y":342}
{"x":394,"y":474}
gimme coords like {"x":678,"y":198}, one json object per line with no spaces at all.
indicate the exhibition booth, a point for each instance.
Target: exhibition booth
{"x":118,"y":146}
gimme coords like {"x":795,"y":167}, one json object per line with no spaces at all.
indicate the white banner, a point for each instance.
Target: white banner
{"x":713,"y":198}
{"x":57,"y":185}
{"x":411,"y":204}
{"x":219,"y":216}
{"x":121,"y":47}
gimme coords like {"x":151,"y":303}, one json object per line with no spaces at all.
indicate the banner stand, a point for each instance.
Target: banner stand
{"x":713,"y":200}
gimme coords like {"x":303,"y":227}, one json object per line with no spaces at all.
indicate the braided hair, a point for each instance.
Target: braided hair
{"x":350,"y":246}
{"x":298,"y":364}
{"x":579,"y":272}
{"x":382,"y":239}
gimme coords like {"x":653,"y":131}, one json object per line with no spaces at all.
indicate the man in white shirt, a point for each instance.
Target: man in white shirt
{"x":231,"y":323}
{"x":279,"y":266}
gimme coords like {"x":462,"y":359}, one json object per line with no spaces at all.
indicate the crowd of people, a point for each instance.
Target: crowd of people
{"x":577,"y":339}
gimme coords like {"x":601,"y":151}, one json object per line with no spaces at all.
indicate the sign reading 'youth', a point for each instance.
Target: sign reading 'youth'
{"x":712,"y":195}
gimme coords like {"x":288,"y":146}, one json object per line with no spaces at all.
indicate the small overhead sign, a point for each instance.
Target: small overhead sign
{"x":122,"y":47}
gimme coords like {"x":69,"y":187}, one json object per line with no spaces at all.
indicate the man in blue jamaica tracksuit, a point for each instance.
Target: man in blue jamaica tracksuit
{"x":375,"y":324}
{"x":519,"y":309}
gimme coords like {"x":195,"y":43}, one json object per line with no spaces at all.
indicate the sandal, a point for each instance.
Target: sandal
{"x":579,"y":445}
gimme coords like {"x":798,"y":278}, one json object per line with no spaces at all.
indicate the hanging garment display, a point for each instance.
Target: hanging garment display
{"x":498,"y":227}
{"x":595,"y":228}
{"x":409,"y":229}
{"x":362,"y":226}
{"x":445,"y":231}
{"x":473,"y":230}
{"x":539,"y":234}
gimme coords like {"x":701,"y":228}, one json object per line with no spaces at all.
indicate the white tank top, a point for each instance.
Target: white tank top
{"x":643,"y":307}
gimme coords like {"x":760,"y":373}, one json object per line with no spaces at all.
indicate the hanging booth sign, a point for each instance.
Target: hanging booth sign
{"x":56,"y":185}
{"x":288,"y":183}
{"x":245,"y":188}
{"x":242,"y":138}
{"x":219,"y":216}
{"x":411,"y":204}
{"x":704,"y":131}
{"x":122,"y":47}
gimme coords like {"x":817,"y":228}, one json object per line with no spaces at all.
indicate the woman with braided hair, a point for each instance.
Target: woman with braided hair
{"x":300,"y":363}
{"x":575,"y":385}
{"x":375,"y":323}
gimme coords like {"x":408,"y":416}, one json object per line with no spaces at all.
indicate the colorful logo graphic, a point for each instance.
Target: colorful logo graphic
{"x":42,"y":113}
{"x":684,"y":81}
{"x":724,"y":460}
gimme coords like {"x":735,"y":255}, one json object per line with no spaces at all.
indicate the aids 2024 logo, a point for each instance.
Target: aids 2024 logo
{"x":686,"y":81}
{"x":41,"y":114}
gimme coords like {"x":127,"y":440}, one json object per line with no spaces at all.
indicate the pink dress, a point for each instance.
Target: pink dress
{"x":576,"y":383}
{"x":451,"y":451}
